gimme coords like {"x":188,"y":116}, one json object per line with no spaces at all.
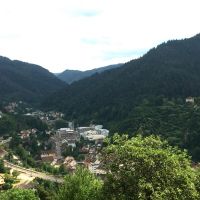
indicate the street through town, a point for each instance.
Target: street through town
{"x":33,"y":173}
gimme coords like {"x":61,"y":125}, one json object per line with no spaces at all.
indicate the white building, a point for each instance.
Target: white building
{"x":83,"y":129}
{"x":67,"y":135}
{"x":70,"y":163}
{"x":94,"y":133}
{"x":189,"y":100}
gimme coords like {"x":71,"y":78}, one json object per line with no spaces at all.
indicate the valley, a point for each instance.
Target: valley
{"x":48,"y":147}
{"x":103,"y":129}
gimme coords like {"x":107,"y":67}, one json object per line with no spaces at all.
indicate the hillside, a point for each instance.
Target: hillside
{"x":170,"y":70}
{"x":69,"y":76}
{"x":24,"y":81}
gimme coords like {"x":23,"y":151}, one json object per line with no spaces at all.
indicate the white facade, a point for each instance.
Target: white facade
{"x":189,"y":100}
{"x":97,"y":133}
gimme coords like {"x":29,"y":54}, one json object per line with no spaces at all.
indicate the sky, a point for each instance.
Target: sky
{"x":86,"y":34}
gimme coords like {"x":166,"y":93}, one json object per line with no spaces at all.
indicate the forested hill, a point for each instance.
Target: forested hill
{"x":69,"y":76}
{"x":24,"y":81}
{"x":171,"y":69}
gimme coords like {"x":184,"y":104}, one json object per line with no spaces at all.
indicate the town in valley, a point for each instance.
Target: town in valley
{"x":58,"y":147}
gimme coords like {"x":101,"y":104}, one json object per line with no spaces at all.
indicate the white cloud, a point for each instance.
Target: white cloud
{"x":83,"y":34}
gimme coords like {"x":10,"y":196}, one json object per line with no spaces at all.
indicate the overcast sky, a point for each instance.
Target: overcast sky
{"x":85,"y":34}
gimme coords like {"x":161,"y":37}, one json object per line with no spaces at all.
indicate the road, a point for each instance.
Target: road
{"x":33,"y":173}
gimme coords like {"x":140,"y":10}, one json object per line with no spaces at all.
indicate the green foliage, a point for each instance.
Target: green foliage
{"x":10,"y":124}
{"x":147,"y":168}
{"x":62,"y":169}
{"x":15,"y":141}
{"x":33,"y":122}
{"x":137,"y":168}
{"x":30,"y":148}
{"x":2,"y":167}
{"x":9,"y":156}
{"x":29,"y":122}
{"x":80,"y":186}
{"x":24,"y":81}
{"x":49,"y":168}
{"x":72,"y":151}
{"x":18,"y":194}
{"x":61,"y":124}
{"x":24,"y":156}
{"x":6,"y":186}
{"x":7,"y":125}
{"x":8,"y":182}
{"x":172,"y":119}
{"x":15,"y":174}
{"x":9,"y":179}
{"x":45,"y":189}
{"x":177,"y":122}
{"x":197,"y":171}
{"x":170,"y":70}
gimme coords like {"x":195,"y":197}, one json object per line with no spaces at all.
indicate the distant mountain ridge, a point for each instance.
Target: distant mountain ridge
{"x":69,"y":76}
{"x":170,"y":70}
{"x":24,"y":81}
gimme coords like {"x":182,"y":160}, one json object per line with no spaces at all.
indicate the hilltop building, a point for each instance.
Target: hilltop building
{"x":189,"y":100}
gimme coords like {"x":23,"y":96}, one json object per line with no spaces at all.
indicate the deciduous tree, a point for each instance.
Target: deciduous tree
{"x":82,"y":185}
{"x":147,"y":168}
{"x":18,"y":194}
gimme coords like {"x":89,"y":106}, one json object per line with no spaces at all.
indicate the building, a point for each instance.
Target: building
{"x":71,"y":143}
{"x":189,"y":100}
{"x":63,"y":137}
{"x":70,"y":163}
{"x":67,"y":134}
{"x":2,"y":153}
{"x":95,"y":168}
{"x":84,"y":149}
{"x":95,"y":135}
{"x":83,"y":129}
{"x":48,"y":156}
{"x":93,"y":132}
{"x":71,"y":125}
{"x":11,"y":107}
{"x":26,"y":133}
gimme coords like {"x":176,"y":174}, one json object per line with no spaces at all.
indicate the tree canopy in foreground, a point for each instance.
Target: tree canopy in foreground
{"x":147,"y":168}
{"x":82,"y":185}
{"x":137,"y":169}
{"x":18,"y":194}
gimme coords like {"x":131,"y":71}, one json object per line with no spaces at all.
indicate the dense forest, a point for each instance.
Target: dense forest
{"x":15,"y":123}
{"x":172,"y":69}
{"x":24,"y":81}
